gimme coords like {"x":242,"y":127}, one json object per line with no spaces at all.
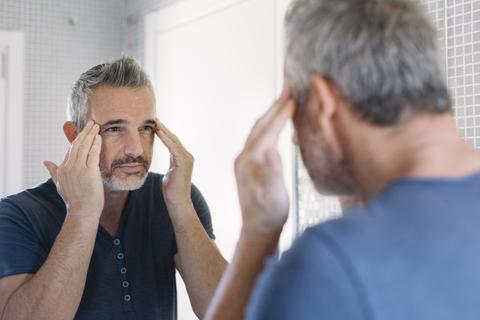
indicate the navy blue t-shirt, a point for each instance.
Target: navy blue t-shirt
{"x":412,"y":253}
{"x":131,"y":275}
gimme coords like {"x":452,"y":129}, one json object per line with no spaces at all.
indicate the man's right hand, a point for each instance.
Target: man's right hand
{"x":264,"y":203}
{"x":55,"y":291}
{"x":258,"y":169}
{"x":78,"y":178}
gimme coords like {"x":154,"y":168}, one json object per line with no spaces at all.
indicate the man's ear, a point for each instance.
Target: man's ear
{"x":328,"y":102}
{"x":71,"y":131}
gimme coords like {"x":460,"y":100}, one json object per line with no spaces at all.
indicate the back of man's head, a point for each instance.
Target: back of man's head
{"x":380,"y":54}
{"x":123,"y":72}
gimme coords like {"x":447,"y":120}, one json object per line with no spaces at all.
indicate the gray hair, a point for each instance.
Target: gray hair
{"x":381,"y":55}
{"x":123,"y":72}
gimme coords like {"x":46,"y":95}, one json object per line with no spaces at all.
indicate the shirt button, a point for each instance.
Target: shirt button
{"x":127,"y":297}
{"x":125,"y":284}
{"x":123,"y":270}
{"x":120,"y":256}
{"x":117,"y":242}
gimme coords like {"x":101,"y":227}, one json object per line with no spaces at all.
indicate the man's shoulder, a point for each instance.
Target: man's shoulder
{"x":410,"y":202}
{"x":397,"y":221}
{"x":313,"y":271}
{"x":43,"y":195}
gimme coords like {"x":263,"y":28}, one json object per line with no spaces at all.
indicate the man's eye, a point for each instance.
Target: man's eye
{"x":112,"y":129}
{"x":149,"y":128}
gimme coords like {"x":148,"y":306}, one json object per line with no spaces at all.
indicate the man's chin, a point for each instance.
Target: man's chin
{"x":129,"y":183}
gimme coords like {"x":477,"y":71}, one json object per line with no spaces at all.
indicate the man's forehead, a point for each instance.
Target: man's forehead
{"x":104,"y":95}
{"x":130,"y":104}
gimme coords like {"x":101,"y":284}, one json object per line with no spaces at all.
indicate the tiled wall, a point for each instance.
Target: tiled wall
{"x":463,"y":65}
{"x":311,"y":207}
{"x":460,"y":51}
{"x":63,"y":38}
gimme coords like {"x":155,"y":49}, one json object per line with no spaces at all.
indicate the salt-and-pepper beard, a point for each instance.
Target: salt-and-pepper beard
{"x":329,"y":175}
{"x":112,"y":182}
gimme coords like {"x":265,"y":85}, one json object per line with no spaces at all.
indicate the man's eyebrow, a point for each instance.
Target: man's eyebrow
{"x":117,"y":121}
{"x":151,"y":121}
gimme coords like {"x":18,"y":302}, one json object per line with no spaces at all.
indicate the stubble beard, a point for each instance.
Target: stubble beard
{"x":113,"y":182}
{"x":329,"y":175}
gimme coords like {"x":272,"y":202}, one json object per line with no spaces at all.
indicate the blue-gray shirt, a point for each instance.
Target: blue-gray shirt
{"x":131,"y":275}
{"x":412,"y":253}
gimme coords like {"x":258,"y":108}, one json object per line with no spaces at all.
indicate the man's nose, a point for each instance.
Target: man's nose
{"x":133,"y":146}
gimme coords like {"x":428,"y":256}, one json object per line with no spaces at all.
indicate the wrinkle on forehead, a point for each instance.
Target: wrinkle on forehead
{"x":119,"y":102}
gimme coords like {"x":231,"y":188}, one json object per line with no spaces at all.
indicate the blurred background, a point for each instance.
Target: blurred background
{"x":216,"y":66}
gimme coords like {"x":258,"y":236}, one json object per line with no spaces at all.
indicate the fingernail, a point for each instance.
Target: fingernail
{"x":90,"y":123}
{"x":95,"y":126}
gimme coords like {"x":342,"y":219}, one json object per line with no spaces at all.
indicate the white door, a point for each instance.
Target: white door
{"x":3,"y":104}
{"x":216,"y":66}
{"x":11,"y":111}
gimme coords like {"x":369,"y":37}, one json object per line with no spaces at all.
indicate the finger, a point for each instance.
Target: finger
{"x":287,"y":90}
{"x":93,"y":159}
{"x":169,"y":134}
{"x":172,"y":164}
{"x":78,"y":141}
{"x":271,"y":113}
{"x":171,"y":145}
{"x":65,"y":159}
{"x":66,"y":156}
{"x":85,"y":147}
{"x":274,"y":169}
{"x":267,"y":137}
{"x":52,"y":169}
{"x":157,"y":128}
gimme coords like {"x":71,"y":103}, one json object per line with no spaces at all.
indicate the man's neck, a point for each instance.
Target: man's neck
{"x":112,"y":210}
{"x":424,"y":147}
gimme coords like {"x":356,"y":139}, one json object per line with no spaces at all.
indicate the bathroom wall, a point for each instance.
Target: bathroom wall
{"x":458,"y":24}
{"x":63,"y":38}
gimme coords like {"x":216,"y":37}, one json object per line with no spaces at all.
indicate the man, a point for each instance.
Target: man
{"x":107,"y":244}
{"x":373,"y":119}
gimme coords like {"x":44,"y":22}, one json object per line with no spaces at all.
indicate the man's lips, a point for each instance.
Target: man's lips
{"x":131,"y":167}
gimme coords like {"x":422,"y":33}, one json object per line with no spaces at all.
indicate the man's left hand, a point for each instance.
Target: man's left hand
{"x":176,"y":184}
